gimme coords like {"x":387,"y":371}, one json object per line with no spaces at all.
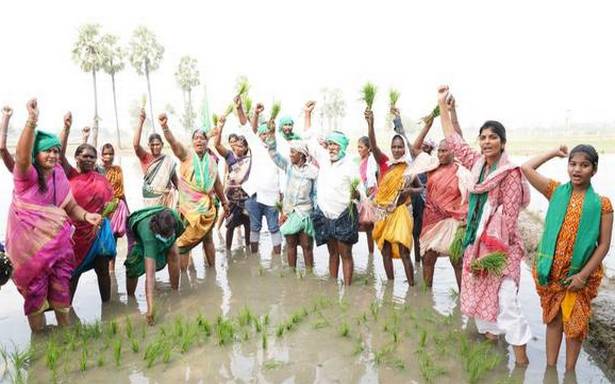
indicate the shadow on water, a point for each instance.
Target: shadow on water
{"x":253,"y":319}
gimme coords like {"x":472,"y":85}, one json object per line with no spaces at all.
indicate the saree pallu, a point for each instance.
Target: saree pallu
{"x":196,"y":205}
{"x":157,"y":186}
{"x":239,"y":170}
{"x":116,"y":179}
{"x":92,"y":192}
{"x":118,"y":219}
{"x":298,"y":222}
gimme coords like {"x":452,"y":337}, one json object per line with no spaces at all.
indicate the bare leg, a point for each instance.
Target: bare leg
{"x":520,"y":355}
{"x":246,"y":230}
{"x":291,"y":250}
{"x":573,"y":348}
{"x":334,"y":259}
{"x":101,"y":267}
{"x":417,"y":249}
{"x":429,"y":263}
{"x":63,"y":318}
{"x":131,"y":285}
{"x":370,"y":240}
{"x":405,"y":259}
{"x":112,"y":265}
{"x":37,"y":322}
{"x":229,"y":237}
{"x":150,"y":276}
{"x":277,"y":249}
{"x":308,"y":252}
{"x":553,"y":339}
{"x":387,"y":260}
{"x":173,"y":264}
{"x":345,"y":251}
{"x":210,"y":250}
{"x":184,"y":261}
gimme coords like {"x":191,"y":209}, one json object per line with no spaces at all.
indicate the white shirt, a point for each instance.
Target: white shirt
{"x":264,"y":178}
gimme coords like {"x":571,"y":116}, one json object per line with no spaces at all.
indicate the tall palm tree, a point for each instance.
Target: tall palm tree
{"x":187,"y":77}
{"x":87,"y":53}
{"x":113,"y":62}
{"x":145,"y":54}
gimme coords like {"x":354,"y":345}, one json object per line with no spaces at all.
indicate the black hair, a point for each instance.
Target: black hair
{"x":201,"y":131}
{"x":107,"y":146}
{"x":40,"y":177}
{"x":154,"y":136}
{"x":496,"y":127}
{"x":587,"y":150}
{"x":365,"y":141}
{"x":243,"y":140}
{"x":83,"y":147}
{"x":163,"y":223}
{"x":233,"y":136}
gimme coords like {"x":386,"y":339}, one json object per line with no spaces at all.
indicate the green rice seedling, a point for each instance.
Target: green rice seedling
{"x":321,"y":323}
{"x":264,"y":340}
{"x":359,"y":347}
{"x":381,"y":355}
{"x":134,"y":345}
{"x":179,"y":328}
{"x":152,"y":352}
{"x":245,"y":317}
{"x":246,"y":101}
{"x":229,"y":109}
{"x":101,"y":360}
{"x":368,"y":94}
{"x":117,"y":351}
{"x":83,"y":364}
{"x":258,"y":327}
{"x":493,"y":264}
{"x":112,"y":328}
{"x":428,"y":369}
{"x":20,"y":360}
{"x":398,"y":363}
{"x":261,"y":270}
{"x":279,"y":332}
{"x":70,"y":339}
{"x":478,"y":359}
{"x":276,"y":107}
{"x":344,"y":329}
{"x":203,"y":325}
{"x":266,"y":320}
{"x":289,"y":325}
{"x":129,"y":328}
{"x":455,"y":250}
{"x":143,"y":331}
{"x":225,"y":331}
{"x":344,"y":305}
{"x":435,"y":112}
{"x":393,"y":97}
{"x":374,"y":308}
{"x":422,"y":339}
{"x":242,"y":86}
{"x":214,"y":119}
{"x":52,"y":355}
{"x":5,"y":358}
{"x":166,"y":353}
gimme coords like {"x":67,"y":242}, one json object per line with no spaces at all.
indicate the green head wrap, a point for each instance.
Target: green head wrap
{"x":263,"y":128}
{"x":340,"y":139}
{"x":286,"y":120}
{"x":44,"y":141}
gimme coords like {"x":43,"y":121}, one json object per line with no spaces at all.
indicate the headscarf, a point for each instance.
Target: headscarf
{"x":44,"y":141}
{"x":300,"y":146}
{"x":263,"y":128}
{"x":430,"y":142}
{"x":340,"y":139}
{"x":286,"y":120}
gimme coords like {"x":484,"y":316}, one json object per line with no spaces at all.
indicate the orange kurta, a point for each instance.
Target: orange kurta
{"x":552,"y":294}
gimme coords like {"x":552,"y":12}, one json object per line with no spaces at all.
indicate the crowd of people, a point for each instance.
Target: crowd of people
{"x":459,"y":203}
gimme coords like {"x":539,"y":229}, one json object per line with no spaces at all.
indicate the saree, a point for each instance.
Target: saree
{"x":92,"y":192}
{"x":118,"y":218}
{"x":38,"y":240}
{"x":239,"y":170}
{"x":157,"y":186}
{"x":395,"y":221}
{"x":196,"y":205}
{"x":143,"y":243}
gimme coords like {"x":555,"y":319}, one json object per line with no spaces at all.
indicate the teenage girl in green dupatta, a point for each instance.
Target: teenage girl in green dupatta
{"x":151,"y":237}
{"x":576,"y":238}
{"x":198,"y":184}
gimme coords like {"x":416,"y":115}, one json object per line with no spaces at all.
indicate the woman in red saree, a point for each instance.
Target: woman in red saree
{"x":39,"y":228}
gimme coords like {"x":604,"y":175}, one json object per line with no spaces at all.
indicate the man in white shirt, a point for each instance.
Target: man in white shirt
{"x":263,"y":183}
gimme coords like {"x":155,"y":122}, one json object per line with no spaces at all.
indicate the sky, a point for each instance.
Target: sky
{"x":525,"y":63}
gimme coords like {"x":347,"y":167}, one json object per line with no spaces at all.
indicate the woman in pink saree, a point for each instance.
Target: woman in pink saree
{"x":39,"y":226}
{"x":493,"y":246}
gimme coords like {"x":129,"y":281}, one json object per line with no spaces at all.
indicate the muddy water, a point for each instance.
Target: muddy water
{"x":314,"y":350}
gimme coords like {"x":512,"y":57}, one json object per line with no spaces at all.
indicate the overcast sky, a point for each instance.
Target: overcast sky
{"x":521,"y":62}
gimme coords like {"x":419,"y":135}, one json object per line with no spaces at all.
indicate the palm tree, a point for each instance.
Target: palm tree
{"x":145,"y":56}
{"x":113,"y":62}
{"x":187,"y":77}
{"x":333,"y":107}
{"x":87,"y":53}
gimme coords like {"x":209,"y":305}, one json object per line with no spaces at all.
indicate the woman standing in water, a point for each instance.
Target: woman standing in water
{"x":369,"y":172}
{"x":39,"y":226}
{"x":198,"y":182}
{"x":114,"y":175}
{"x":576,"y":238}
{"x":493,"y":246}
{"x":393,"y":229}
{"x":160,"y":180}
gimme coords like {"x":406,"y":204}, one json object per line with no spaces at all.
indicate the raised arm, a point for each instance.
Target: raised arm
{"x":257,"y":111}
{"x":136,"y":141}
{"x":307,"y":110}
{"x":23,"y":152}
{"x":241,"y":114}
{"x":219,"y":190}
{"x":530,"y":167}
{"x":453,"y":111}
{"x":369,"y":117}
{"x":7,"y":159}
{"x":176,"y":146}
{"x":218,"y":138}
{"x":64,"y":133}
{"x":277,"y":158}
{"x":420,"y":138}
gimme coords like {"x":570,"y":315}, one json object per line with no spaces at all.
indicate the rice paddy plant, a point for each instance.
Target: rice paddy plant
{"x":112,"y":329}
{"x":272,"y":364}
{"x":83,"y":363}
{"x":368,"y":94}
{"x":478,"y":359}
{"x":246,"y":317}
{"x":117,"y":351}
{"x":134,"y":345}
{"x":422,"y":340}
{"x":453,"y":294}
{"x":229,"y":109}
{"x":343,"y":304}
{"x":246,"y":101}
{"x":52,"y":355}
{"x":266,"y":320}
{"x":321,"y":323}
{"x":276,"y":107}
{"x":435,"y":112}
{"x":258,"y":327}
{"x":101,"y":361}
{"x":374,"y":308}
{"x":152,"y":352}
{"x":203,"y":325}
{"x":70,"y":339}
{"x":344,"y":329}
{"x":20,"y":360}
{"x":359,"y":347}
{"x":429,"y":370}
{"x":393,"y":97}
{"x":381,"y":355}
{"x":279,"y":332}
{"x":242,"y":86}
{"x":214,"y":119}
{"x":166,"y":352}
{"x":129,"y":329}
{"x":493,"y":263}
{"x":264,"y":341}
{"x":225,"y":331}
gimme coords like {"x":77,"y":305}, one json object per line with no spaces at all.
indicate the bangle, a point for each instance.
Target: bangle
{"x":84,"y":214}
{"x":31,"y":123}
